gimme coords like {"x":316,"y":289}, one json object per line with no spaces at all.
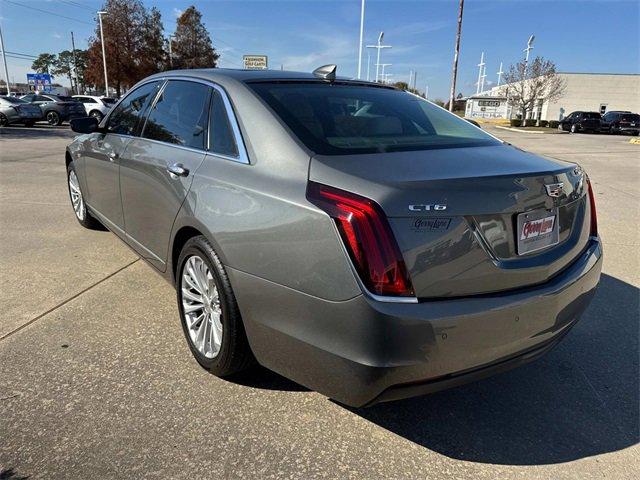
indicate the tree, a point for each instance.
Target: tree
{"x":405,"y":86}
{"x":44,"y":63}
{"x":123,"y":27}
{"x":82,"y":59}
{"x":192,"y":46}
{"x":153,"y":56}
{"x":63,"y":65}
{"x":528,"y":83}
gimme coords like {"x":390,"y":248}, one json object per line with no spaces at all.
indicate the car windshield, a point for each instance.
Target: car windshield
{"x":343,"y":118}
{"x":591,"y":115}
{"x":108,"y":101}
{"x":13,"y":99}
{"x":630,"y":117}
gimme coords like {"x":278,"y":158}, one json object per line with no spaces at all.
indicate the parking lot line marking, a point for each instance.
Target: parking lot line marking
{"x":64,"y":302}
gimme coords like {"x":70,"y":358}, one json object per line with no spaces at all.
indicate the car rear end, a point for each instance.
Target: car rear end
{"x":472,"y":256}
{"x":19,"y":111}
{"x":629,"y":123}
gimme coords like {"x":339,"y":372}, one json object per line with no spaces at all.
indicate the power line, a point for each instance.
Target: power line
{"x":47,"y":12}
{"x":76,"y":4}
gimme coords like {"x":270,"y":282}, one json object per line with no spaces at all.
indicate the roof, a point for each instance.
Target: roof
{"x":248,"y":75}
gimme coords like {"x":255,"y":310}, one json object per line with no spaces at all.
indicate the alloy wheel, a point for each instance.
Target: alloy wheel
{"x":53,"y":118}
{"x":201,"y":306}
{"x":76,"y":196}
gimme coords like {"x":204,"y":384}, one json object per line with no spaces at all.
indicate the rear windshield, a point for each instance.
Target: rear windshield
{"x":630,"y":117}
{"x":339,"y":119}
{"x":591,"y":115}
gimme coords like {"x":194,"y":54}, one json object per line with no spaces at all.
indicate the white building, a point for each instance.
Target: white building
{"x":592,"y":92}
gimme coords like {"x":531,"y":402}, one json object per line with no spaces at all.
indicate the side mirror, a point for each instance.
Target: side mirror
{"x":84,"y":125}
{"x":473,"y":122}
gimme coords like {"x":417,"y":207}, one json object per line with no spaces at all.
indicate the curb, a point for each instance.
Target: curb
{"x":520,"y":131}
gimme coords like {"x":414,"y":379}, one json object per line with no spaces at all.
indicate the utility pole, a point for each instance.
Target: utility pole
{"x":104,"y":55}
{"x":75,"y":63}
{"x":456,"y":54}
{"x":480,"y":68}
{"x":500,"y":73}
{"x":361,"y":39}
{"x":379,"y":47}
{"x":4,"y":60}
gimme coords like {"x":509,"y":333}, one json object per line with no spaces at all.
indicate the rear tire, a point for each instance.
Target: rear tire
{"x":80,"y":209}
{"x":53,"y":118}
{"x":231,"y":353}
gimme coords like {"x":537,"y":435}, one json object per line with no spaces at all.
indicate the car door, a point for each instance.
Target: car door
{"x":157,"y":168}
{"x":103,"y":151}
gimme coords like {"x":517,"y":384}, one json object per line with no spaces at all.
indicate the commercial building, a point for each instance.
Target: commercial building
{"x":593,"y":92}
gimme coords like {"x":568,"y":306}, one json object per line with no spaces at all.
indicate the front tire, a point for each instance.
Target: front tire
{"x":53,"y":118}
{"x":77,"y":201}
{"x":209,"y":312}
{"x":97,"y":115}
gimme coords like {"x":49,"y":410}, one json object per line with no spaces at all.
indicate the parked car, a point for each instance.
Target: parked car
{"x":56,"y":108}
{"x":13,"y":110}
{"x":581,"y":122}
{"x":95,"y":106}
{"x":621,"y":122}
{"x":350,"y":236}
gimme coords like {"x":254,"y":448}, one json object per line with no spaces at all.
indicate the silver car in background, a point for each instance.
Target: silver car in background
{"x":14,"y":110}
{"x":350,"y":236}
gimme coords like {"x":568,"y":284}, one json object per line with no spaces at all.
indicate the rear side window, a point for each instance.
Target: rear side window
{"x":124,"y":119}
{"x":339,"y":119}
{"x":591,"y":115}
{"x":221,"y":135}
{"x":180,"y":115}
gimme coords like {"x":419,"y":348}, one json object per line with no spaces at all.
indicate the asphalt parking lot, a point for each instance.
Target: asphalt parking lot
{"x":96,"y":380}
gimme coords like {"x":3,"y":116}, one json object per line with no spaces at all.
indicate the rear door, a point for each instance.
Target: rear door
{"x":103,"y":151}
{"x":157,"y":168}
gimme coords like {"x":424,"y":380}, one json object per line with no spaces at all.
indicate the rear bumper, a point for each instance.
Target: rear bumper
{"x":362,"y":351}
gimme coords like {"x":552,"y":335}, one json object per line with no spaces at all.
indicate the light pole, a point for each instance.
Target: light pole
{"x":426,"y":92}
{"x":500,"y":73}
{"x":368,"y":64}
{"x":75,"y":63}
{"x":480,"y":68}
{"x":379,"y":47}
{"x":456,"y":53}
{"x":383,"y":65}
{"x":528,"y":49}
{"x":4,"y":60}
{"x":171,"y":51}
{"x":104,"y":55}
{"x":361,"y":39}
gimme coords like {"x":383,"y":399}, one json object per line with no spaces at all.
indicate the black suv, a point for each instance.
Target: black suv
{"x":621,"y":122}
{"x":581,"y":122}
{"x":56,"y":108}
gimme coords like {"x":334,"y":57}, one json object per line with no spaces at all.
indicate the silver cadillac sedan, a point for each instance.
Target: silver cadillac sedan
{"x":352,"y":237}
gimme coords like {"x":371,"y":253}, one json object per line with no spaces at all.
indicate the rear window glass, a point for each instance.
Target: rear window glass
{"x":339,"y":119}
{"x":591,"y":115}
{"x":630,"y":117}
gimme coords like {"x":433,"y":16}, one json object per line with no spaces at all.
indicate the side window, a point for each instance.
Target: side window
{"x":124,"y":119}
{"x":28,"y":98}
{"x":42,"y":98}
{"x":180,"y":115}
{"x":221,"y":136}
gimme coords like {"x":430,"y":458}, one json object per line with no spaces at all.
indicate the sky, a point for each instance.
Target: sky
{"x":579,"y":36}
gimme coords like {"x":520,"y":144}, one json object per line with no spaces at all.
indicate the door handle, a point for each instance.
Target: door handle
{"x":178,"y":170}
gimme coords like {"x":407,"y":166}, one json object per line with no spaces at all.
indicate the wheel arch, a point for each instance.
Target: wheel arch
{"x":183,"y":231}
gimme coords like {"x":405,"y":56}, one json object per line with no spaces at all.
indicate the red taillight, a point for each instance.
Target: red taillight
{"x":592,"y":205}
{"x":368,"y":238}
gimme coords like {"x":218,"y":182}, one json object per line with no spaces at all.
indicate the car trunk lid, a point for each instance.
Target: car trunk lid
{"x":454,"y":213}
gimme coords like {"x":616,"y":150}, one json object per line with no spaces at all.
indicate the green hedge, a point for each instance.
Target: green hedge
{"x":543,"y":123}
{"x":554,"y":123}
{"x":515,"y":122}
